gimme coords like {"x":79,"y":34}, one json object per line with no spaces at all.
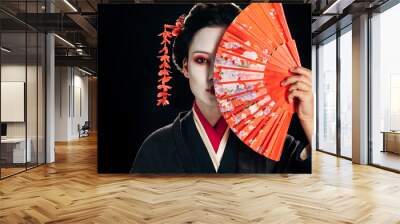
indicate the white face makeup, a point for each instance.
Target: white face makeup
{"x":198,"y":68}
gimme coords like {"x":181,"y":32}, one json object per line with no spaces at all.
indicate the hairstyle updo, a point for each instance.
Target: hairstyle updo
{"x":200,"y":16}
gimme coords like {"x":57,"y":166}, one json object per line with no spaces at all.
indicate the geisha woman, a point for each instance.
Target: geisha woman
{"x":199,"y":140}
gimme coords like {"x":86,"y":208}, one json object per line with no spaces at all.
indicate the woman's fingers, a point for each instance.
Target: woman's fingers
{"x":301,"y":95}
{"x":302,"y":75}
{"x":296,"y":78}
{"x":302,"y":71}
{"x":300,"y":86}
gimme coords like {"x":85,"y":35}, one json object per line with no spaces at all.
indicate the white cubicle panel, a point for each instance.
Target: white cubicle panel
{"x":12,"y":101}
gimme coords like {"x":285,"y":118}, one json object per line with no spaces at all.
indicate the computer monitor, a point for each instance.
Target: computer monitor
{"x":3,"y":129}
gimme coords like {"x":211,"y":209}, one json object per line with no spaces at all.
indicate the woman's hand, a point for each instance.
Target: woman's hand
{"x":300,"y":90}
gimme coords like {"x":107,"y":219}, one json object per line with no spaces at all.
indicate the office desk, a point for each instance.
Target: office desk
{"x":391,"y":141}
{"x":13,"y":150}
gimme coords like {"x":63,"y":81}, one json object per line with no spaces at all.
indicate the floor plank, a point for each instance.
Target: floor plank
{"x":71,"y":191}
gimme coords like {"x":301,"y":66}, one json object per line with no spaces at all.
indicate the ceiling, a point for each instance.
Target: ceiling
{"x":76,"y":22}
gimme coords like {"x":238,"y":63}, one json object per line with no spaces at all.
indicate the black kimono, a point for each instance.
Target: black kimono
{"x":178,"y":148}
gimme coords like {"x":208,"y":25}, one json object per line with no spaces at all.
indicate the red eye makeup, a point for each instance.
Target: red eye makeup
{"x":201,"y":59}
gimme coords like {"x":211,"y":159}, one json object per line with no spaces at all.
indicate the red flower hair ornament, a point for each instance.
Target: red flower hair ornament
{"x":169,"y":32}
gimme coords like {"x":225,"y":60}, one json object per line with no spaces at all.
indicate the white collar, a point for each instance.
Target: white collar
{"x":215,"y":157}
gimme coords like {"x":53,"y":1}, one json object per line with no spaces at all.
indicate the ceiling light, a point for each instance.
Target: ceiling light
{"x":337,"y":7}
{"x":332,"y":9}
{"x":5,"y":50}
{"x":64,"y":40}
{"x":70,"y":5}
{"x":84,"y":71}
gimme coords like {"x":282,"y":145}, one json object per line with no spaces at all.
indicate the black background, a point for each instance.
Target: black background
{"x":128,"y":45}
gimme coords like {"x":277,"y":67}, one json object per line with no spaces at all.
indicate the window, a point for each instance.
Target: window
{"x":385,"y":89}
{"x":346,"y":93}
{"x":327,"y":96}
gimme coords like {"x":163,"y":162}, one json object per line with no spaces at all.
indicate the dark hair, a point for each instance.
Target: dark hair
{"x":200,"y":16}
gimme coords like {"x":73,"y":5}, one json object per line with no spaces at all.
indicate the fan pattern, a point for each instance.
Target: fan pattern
{"x":253,"y":57}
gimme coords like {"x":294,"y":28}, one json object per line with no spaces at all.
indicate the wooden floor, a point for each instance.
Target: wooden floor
{"x":387,"y":159}
{"x":71,"y":191}
{"x":10,"y":171}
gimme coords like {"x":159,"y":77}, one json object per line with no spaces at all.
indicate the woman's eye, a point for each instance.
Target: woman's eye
{"x":201,"y":60}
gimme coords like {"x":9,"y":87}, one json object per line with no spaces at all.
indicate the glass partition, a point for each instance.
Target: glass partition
{"x":15,"y":151}
{"x":22,"y":77}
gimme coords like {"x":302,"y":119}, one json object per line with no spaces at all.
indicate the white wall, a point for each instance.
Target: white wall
{"x":33,"y":127}
{"x":71,"y":92}
{"x":80,"y":103}
{"x":16,"y":73}
{"x":61,"y":103}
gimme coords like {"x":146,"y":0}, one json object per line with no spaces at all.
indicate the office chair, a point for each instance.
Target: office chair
{"x":84,"y":130}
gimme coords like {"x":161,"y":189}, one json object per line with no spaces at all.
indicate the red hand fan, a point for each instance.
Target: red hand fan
{"x":253,"y":57}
